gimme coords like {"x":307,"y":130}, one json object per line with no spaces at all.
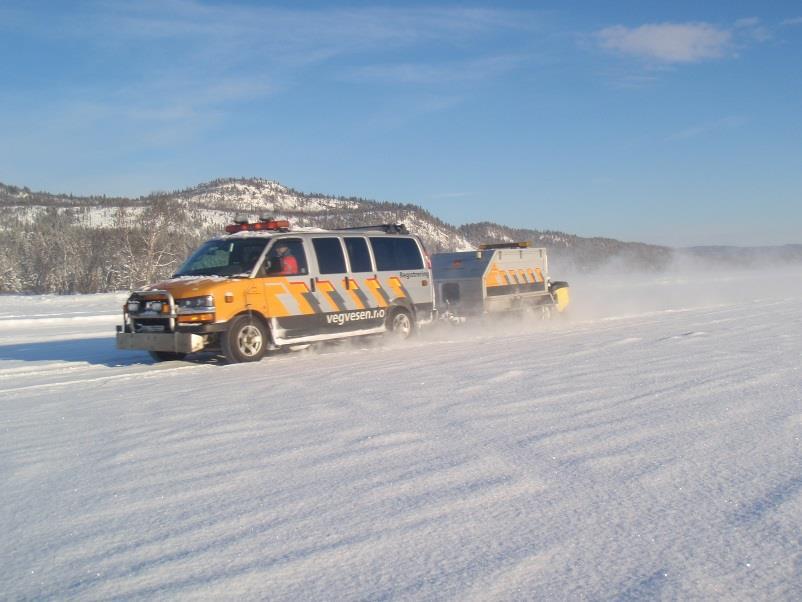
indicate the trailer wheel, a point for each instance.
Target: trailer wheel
{"x":400,"y":324}
{"x":166,"y":356}
{"x":245,"y":340}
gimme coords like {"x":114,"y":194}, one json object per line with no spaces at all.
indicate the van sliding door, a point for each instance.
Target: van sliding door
{"x":345,"y":306}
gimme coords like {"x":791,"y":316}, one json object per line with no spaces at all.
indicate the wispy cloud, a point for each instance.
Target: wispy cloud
{"x":753,"y":28}
{"x":297,"y":35}
{"x":627,"y":80}
{"x":406,"y":108}
{"x":186,"y":17}
{"x":791,"y":22}
{"x":442,"y":196}
{"x":701,"y":129}
{"x":470,"y":70}
{"x":668,"y":42}
{"x":192,"y":62}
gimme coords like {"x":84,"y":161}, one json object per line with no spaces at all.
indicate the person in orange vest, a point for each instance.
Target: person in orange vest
{"x":287,"y":264}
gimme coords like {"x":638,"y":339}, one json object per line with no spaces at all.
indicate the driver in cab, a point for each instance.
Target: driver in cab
{"x":282,"y":261}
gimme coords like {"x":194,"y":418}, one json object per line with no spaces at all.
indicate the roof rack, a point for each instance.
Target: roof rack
{"x":388,"y":228}
{"x":504,"y":245}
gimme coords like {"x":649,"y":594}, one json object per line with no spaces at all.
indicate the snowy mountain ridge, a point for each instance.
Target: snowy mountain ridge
{"x":209,"y":206}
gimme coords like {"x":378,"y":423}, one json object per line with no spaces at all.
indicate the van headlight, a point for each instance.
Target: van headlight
{"x":204,"y":302}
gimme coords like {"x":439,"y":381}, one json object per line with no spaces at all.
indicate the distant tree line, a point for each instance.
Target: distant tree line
{"x":57,"y":255}
{"x":576,"y":253}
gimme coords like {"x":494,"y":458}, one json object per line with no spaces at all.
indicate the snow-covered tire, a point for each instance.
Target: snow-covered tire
{"x":400,"y":324}
{"x":245,"y":340}
{"x":166,"y":356}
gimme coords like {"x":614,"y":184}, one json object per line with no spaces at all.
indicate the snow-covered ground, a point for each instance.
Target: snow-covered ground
{"x":647,"y":447}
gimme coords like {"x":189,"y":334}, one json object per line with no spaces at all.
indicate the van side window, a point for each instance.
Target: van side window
{"x":358,"y":254}
{"x":330,"y":258}
{"x":396,"y":253}
{"x":286,"y":258}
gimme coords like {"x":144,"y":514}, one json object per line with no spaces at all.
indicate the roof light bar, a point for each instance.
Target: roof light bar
{"x":278,"y":225}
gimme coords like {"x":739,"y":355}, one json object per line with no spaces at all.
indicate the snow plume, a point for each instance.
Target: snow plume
{"x":688,"y":284}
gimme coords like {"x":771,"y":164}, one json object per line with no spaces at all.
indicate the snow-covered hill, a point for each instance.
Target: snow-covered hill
{"x":647,"y":447}
{"x":213,"y":204}
{"x":68,"y":244}
{"x":258,"y":195}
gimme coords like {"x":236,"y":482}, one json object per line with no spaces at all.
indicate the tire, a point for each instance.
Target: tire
{"x":245,"y":340}
{"x":400,"y":324}
{"x":166,"y":356}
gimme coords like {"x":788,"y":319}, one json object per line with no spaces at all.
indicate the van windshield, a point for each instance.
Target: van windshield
{"x":227,"y":257}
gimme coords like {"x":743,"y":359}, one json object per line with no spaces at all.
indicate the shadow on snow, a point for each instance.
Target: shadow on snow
{"x":96,"y":351}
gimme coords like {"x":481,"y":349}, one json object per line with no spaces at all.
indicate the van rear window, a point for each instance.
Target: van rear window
{"x":396,"y":253}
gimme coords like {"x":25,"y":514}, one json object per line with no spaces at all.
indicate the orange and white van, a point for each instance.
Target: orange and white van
{"x":264,"y":286}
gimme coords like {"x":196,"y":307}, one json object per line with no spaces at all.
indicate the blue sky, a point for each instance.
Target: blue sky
{"x":668,"y":122}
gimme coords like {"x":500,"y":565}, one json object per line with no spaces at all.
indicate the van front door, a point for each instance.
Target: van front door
{"x":291,"y":302}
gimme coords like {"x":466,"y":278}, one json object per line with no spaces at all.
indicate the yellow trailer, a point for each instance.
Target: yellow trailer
{"x":496,"y":278}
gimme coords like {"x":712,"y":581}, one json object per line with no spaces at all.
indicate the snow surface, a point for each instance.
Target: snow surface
{"x":647,"y":447}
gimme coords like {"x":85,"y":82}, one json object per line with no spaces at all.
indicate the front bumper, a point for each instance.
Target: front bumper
{"x":177,"y":342}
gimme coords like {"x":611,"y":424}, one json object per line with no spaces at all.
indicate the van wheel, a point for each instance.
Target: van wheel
{"x":400,"y":324}
{"x":245,"y":340}
{"x":166,"y":356}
